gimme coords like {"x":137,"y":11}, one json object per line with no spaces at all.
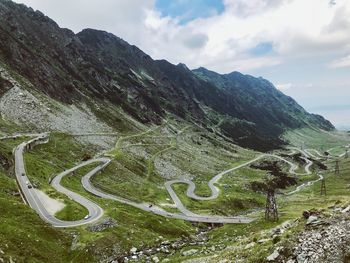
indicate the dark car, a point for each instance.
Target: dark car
{"x":29,"y":185}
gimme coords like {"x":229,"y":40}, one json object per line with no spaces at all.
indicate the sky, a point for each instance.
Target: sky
{"x":301,"y":46}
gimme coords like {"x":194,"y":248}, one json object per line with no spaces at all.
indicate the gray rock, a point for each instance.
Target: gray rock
{"x":155,"y":259}
{"x":311,"y":220}
{"x":301,"y":258}
{"x":133,"y":250}
{"x":264,"y":240}
{"x":250,"y":245}
{"x":347,"y":209}
{"x":189,"y":252}
{"x":105,"y":224}
{"x":273,"y":256}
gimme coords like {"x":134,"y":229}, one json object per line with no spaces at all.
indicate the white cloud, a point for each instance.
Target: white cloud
{"x":285,"y":86}
{"x":341,"y":62}
{"x":295,"y":27}
{"x":245,"y":8}
{"x":125,"y":19}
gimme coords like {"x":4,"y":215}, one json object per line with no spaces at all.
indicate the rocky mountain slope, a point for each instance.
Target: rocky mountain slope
{"x":103,"y":75}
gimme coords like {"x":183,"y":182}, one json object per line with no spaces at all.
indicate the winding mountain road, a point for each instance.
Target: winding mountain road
{"x":308,"y":151}
{"x":187,"y":214}
{"x":95,"y":211}
{"x":86,"y":182}
{"x":215,"y":190}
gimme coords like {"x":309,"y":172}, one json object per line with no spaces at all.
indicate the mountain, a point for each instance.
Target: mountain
{"x":105,"y":73}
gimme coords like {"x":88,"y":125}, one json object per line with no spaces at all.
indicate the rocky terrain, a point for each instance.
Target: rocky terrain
{"x":321,"y":237}
{"x":34,"y":111}
{"x":325,"y":239}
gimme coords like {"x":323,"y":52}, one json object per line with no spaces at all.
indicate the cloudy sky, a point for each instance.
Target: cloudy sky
{"x":302,"y":46}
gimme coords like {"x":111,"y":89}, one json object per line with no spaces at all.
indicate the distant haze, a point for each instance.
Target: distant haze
{"x":339,"y":117}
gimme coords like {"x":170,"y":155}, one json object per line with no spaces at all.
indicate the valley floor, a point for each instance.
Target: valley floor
{"x":137,"y":175}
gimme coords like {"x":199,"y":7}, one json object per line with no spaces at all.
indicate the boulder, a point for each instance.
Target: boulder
{"x":347,"y":209}
{"x":264,"y":240}
{"x":301,"y":258}
{"x":311,"y":220}
{"x":155,"y":259}
{"x":250,"y":245}
{"x":189,"y":252}
{"x":273,"y":256}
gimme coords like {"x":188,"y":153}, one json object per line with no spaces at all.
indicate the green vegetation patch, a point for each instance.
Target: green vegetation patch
{"x":24,"y":237}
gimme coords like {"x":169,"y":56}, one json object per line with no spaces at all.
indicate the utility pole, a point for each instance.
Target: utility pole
{"x":336,"y":170}
{"x":271,"y":212}
{"x":323,"y":187}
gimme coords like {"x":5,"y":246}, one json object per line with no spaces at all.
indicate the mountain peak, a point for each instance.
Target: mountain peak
{"x":99,"y":36}
{"x":183,"y":66}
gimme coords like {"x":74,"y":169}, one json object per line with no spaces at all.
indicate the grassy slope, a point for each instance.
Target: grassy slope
{"x":201,"y":156}
{"x":290,"y":208}
{"x":129,"y":172}
{"x":236,"y":237}
{"x":135,"y":228}
{"x":315,"y":139}
{"x":47,"y":160}
{"x":24,"y":237}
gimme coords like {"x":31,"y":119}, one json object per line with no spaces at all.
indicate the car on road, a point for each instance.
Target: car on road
{"x":23,"y":174}
{"x":29,"y":185}
{"x":87,"y":217}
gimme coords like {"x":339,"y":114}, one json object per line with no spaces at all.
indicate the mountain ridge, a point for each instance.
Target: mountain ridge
{"x":96,"y":67}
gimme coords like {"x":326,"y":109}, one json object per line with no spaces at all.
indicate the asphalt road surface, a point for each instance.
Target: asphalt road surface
{"x":95,"y":211}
